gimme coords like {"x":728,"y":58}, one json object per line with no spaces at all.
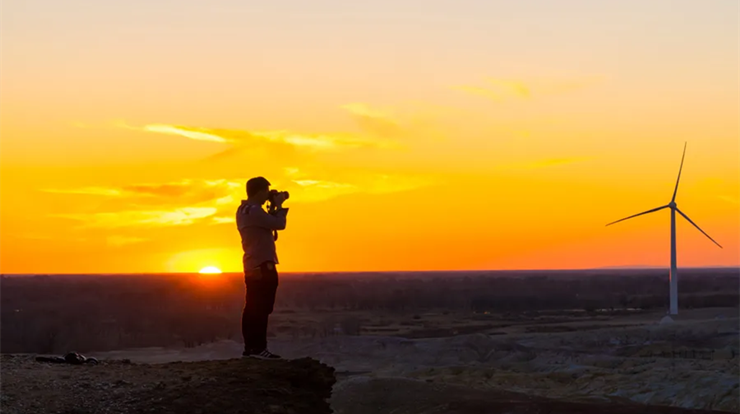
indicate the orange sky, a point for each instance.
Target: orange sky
{"x":460,"y":135}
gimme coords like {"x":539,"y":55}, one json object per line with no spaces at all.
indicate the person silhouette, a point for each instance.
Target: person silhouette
{"x":258,"y":231}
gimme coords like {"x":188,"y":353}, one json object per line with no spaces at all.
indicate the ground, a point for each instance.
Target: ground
{"x":404,"y":396}
{"x":249,"y":386}
{"x":598,"y":358}
{"x":118,"y":386}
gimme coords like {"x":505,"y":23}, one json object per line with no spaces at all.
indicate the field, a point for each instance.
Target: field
{"x":572,"y":335}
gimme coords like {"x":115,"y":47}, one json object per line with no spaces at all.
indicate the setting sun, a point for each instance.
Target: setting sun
{"x":210,"y":270}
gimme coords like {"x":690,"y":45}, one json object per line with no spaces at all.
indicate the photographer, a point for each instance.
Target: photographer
{"x":258,"y":231}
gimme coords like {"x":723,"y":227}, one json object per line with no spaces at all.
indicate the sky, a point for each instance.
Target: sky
{"x":434,"y":135}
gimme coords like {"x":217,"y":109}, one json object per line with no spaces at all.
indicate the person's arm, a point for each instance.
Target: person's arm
{"x":274,"y":221}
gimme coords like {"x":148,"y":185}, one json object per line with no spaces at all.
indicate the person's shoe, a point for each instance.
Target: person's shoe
{"x":264,"y":354}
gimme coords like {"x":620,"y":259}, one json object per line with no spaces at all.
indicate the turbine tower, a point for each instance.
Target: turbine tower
{"x":674,"y":209}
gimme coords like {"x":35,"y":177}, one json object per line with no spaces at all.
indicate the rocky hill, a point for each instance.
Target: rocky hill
{"x":300,"y":386}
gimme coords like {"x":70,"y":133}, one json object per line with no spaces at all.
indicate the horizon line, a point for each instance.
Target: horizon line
{"x":635,"y":267}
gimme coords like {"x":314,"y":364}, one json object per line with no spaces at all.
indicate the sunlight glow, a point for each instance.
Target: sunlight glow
{"x":211,"y":270}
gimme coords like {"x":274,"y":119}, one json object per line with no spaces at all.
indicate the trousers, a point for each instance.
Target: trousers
{"x":261,"y":284}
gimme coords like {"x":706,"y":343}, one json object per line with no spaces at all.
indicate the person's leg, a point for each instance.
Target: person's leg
{"x":252,"y":316}
{"x":260,"y":331}
{"x":248,"y":321}
{"x":267,"y":289}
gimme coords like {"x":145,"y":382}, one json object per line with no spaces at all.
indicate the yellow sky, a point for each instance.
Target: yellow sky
{"x":473,"y":135}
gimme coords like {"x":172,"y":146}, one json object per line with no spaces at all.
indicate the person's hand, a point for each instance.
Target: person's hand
{"x":279,"y":199}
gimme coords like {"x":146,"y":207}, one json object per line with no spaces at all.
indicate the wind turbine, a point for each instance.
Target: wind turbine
{"x":674,"y":208}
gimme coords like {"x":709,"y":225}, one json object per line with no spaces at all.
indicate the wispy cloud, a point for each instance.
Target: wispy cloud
{"x":373,"y":120}
{"x":360,"y":182}
{"x":177,"y":189}
{"x":326,"y":141}
{"x":184,"y":191}
{"x":240,"y":138}
{"x":203,"y":198}
{"x":312,"y":190}
{"x":186,"y":132}
{"x":322,"y":184}
{"x":101,"y":191}
{"x":156,"y":218}
{"x":161,"y":204}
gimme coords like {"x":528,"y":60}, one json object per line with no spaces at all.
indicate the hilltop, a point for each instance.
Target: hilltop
{"x":224,"y":386}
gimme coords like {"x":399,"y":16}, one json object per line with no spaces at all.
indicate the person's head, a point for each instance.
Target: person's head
{"x":258,"y":189}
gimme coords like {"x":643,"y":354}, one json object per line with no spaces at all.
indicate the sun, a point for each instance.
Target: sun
{"x":210,"y":270}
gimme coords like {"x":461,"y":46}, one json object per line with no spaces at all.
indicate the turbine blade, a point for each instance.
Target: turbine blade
{"x":687,"y":218}
{"x":679,"y":172}
{"x":635,"y":215}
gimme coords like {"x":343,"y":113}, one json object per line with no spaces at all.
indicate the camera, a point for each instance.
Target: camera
{"x":274,"y":193}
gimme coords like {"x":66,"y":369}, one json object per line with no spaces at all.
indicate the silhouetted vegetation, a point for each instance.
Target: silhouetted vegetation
{"x":52,"y":314}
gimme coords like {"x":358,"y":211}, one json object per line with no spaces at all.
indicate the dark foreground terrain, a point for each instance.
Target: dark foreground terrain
{"x":223,"y":387}
{"x":405,"y":397}
{"x":250,"y":386}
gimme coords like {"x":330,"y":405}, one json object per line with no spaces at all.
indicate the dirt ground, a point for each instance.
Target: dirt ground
{"x":248,"y":386}
{"x":693,"y":363}
{"x":403,"y":396}
{"x":444,"y":324}
{"x":116,"y":386}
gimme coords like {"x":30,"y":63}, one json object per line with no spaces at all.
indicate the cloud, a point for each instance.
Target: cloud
{"x":240,"y":138}
{"x":156,"y":205}
{"x":322,"y":184}
{"x":306,"y":184}
{"x":408,"y":121}
{"x":314,"y":189}
{"x":186,"y":132}
{"x":186,"y":191}
{"x":229,"y":199}
{"x":155,"y":218}
{"x":372,"y":120}
{"x":504,"y":89}
{"x":179,"y":189}
{"x":325,"y":141}
{"x":223,"y":220}
{"x":101,"y":191}
{"x":152,"y":204}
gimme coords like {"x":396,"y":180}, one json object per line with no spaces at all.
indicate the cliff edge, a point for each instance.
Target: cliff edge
{"x":119,"y":386}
